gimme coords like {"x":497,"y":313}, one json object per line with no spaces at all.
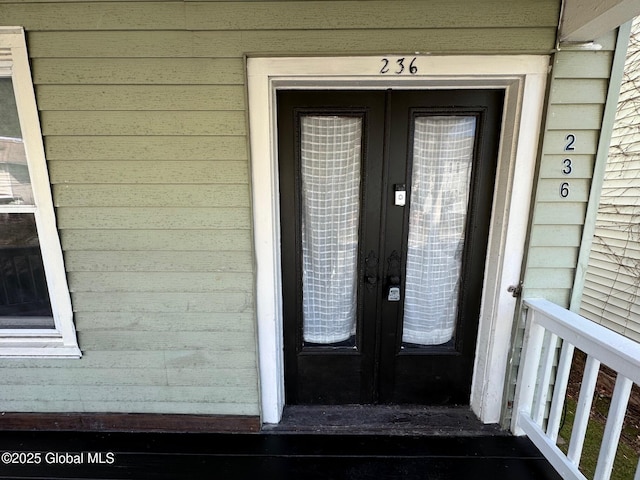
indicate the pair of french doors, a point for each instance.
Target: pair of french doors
{"x":385,"y":202}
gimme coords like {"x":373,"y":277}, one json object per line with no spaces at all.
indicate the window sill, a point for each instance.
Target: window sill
{"x":36,"y":344}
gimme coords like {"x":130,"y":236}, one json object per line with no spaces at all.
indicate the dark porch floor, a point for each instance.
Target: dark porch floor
{"x":269,"y":455}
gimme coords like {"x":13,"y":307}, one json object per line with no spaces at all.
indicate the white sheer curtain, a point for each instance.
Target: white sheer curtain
{"x":442,"y":158}
{"x":330,"y":171}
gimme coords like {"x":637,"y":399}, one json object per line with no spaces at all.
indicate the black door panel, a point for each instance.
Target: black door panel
{"x":375,"y":365}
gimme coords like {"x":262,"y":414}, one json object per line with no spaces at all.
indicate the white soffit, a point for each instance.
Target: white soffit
{"x":587,"y":20}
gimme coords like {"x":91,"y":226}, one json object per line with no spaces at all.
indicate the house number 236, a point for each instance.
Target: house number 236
{"x":400,"y":66}
{"x":567,"y":163}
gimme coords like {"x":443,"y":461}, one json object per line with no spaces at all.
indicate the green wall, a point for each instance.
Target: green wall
{"x":577,"y":96}
{"x":143,"y":112}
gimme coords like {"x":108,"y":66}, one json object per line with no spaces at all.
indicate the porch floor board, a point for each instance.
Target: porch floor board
{"x":273,"y":456}
{"x":383,"y":419}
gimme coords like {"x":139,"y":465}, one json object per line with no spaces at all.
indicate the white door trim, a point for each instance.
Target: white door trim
{"x":523,"y":79}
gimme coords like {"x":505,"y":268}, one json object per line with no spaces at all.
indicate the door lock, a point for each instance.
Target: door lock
{"x":394,"y":293}
{"x":393,"y":272}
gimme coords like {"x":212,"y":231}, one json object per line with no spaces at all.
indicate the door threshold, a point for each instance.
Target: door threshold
{"x":415,"y":420}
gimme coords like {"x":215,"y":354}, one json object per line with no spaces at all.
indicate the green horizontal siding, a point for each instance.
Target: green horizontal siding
{"x":152,"y":341}
{"x":141,"y":97}
{"x":155,"y":218}
{"x":89,"y":148}
{"x":577,"y":96}
{"x":177,"y":359}
{"x":154,"y":195}
{"x":167,"y":44}
{"x":119,"y":393}
{"x":212,"y":16}
{"x":158,"y":261}
{"x":160,"y":282}
{"x":156,"y":240}
{"x":161,"y":172}
{"x":138,"y":71}
{"x":144,"y":123}
{"x":240,"y":323}
{"x":143,"y":109}
{"x":553,"y":256}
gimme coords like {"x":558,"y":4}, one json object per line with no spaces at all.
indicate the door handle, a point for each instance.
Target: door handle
{"x":371,"y":271}
{"x":393,"y":277}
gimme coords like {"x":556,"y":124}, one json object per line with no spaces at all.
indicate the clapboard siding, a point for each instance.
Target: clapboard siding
{"x":120,"y":394}
{"x":213,"y":302}
{"x":612,"y":285}
{"x":212,"y":16}
{"x":155,"y":240}
{"x":154,"y":218}
{"x":240,"y":323}
{"x":552,"y":169}
{"x":549,"y":213}
{"x":577,"y":95}
{"x":158,"y":261}
{"x":88,"y":148}
{"x":198,"y":282}
{"x":190,"y":195}
{"x":581,"y":91}
{"x":138,"y":71}
{"x":213,"y":405}
{"x":177,"y":359}
{"x":560,"y":257}
{"x":144,"y":123}
{"x":143,"y":111}
{"x":161,"y":172}
{"x":137,"y":376}
{"x":141,"y":97}
{"x":165,"y":44}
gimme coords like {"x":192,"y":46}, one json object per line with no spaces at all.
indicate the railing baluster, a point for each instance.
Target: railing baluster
{"x":530,"y":361}
{"x":612,"y":430}
{"x":546,"y":365}
{"x":560,"y":390}
{"x":583,"y":409}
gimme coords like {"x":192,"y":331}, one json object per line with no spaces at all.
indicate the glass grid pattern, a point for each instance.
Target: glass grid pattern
{"x":442,"y":158}
{"x":330,"y":172}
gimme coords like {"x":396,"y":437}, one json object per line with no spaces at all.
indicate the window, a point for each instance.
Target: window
{"x":35,"y":307}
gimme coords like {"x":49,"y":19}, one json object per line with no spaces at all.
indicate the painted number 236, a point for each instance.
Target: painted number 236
{"x":567,"y":163}
{"x":400,"y":66}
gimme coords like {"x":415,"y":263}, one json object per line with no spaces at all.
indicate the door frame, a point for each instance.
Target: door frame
{"x":523,"y":78}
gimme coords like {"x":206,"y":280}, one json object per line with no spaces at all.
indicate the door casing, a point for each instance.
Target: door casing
{"x":523,"y":79}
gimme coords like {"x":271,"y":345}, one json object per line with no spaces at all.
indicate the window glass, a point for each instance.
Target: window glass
{"x":24,"y":299}
{"x":15,"y":187}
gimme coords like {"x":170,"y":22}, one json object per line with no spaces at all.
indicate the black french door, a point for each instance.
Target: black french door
{"x":385,"y":202}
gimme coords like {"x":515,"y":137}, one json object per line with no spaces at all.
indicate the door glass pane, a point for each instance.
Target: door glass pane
{"x":330,"y":175}
{"x":442,"y":157}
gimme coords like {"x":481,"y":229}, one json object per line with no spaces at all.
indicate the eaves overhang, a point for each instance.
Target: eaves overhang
{"x":586,"y":20}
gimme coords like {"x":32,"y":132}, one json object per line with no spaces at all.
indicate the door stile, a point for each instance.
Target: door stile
{"x":372,"y":180}
{"x":383,"y":209}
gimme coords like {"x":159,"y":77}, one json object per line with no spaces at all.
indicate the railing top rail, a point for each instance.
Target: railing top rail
{"x":612,"y":349}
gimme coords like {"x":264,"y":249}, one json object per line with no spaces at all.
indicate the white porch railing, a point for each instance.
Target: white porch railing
{"x":546,"y":322}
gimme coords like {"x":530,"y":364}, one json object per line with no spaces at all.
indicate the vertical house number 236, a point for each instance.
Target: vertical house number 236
{"x":400,"y":66}
{"x":567,"y":163}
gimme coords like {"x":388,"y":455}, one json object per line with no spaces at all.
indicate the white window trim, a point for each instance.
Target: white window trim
{"x":60,"y":341}
{"x":523,"y":79}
